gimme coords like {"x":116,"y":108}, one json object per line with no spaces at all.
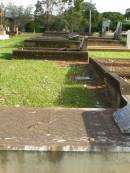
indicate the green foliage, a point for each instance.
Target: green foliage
{"x":17,"y":15}
{"x":57,"y":23}
{"x":96,"y":16}
{"x":127,"y":13}
{"x":71,"y":17}
{"x":126,"y":26}
{"x":38,"y":9}
{"x":81,"y":12}
{"x":60,"y":15}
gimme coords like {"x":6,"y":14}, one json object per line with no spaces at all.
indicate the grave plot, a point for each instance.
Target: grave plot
{"x":115,"y":73}
{"x":50,"y":84}
{"x":71,"y":47}
{"x":120,"y":70}
{"x":51,"y":42}
{"x":97,"y":41}
{"x":106,"y":44}
{"x":119,"y":66}
{"x":65,"y":87}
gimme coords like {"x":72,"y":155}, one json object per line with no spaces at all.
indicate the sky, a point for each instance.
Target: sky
{"x":102,"y":5}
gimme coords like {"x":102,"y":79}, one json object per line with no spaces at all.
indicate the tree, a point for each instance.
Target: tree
{"x":47,"y":7}
{"x":18,"y":14}
{"x":96,"y":16}
{"x":72,"y":14}
{"x":127,"y":13}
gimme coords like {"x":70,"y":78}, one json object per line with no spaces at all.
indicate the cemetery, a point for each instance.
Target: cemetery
{"x":107,"y":40}
{"x":106,"y":82}
{"x":64,"y":95}
{"x":69,"y":47}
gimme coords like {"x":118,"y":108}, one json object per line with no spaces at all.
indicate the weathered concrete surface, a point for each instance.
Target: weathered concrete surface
{"x":60,"y":130}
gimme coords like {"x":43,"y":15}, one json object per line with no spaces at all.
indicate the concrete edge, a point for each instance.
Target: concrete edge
{"x":67,"y":148}
{"x":120,"y":87}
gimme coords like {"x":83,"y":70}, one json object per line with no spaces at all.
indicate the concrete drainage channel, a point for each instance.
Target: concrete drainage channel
{"x":89,"y":134}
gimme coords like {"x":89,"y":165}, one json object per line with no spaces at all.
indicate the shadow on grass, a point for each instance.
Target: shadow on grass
{"x":75,"y":70}
{"x":75,"y":93}
{"x":6,"y":56}
{"x":84,"y":93}
{"x":76,"y":96}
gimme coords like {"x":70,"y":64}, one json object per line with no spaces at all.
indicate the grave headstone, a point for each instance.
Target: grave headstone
{"x":118,"y":31}
{"x":122,"y":118}
{"x":105,"y":26}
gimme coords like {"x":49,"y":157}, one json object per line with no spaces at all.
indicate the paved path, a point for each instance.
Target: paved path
{"x":60,"y":130}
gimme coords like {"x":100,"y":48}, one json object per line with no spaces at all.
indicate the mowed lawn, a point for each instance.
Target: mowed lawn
{"x":41,"y":84}
{"x":33,"y":83}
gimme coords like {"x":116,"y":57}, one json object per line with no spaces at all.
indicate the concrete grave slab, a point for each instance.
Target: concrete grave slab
{"x":122,"y":118}
{"x":60,"y":130}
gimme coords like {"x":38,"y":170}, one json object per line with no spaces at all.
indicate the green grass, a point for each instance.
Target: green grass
{"x":105,"y":54}
{"x":38,"y":83}
{"x":41,"y":84}
{"x":7,"y":46}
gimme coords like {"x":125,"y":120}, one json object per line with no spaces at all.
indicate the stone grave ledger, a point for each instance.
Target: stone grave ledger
{"x":70,"y":48}
{"x":122,"y":118}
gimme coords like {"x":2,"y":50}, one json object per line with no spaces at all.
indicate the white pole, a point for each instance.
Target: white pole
{"x":90,"y":18}
{"x":90,"y":22}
